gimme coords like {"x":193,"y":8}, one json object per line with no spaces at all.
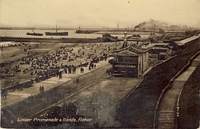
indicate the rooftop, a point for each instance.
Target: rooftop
{"x":132,"y":50}
{"x":161,"y":44}
{"x":183,"y":42}
{"x":160,"y":48}
{"x":126,"y":52}
{"x":137,"y":49}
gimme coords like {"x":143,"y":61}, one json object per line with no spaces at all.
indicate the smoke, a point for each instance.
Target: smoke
{"x":140,"y":25}
{"x":152,"y":24}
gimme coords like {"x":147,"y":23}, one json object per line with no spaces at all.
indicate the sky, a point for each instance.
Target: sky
{"x":97,"y":13}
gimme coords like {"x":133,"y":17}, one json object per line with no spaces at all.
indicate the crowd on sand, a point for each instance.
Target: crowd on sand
{"x":65,"y":60}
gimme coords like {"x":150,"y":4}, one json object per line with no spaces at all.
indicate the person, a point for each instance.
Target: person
{"x":5,"y":93}
{"x":40,"y":89}
{"x":59,"y":75}
{"x":2,"y":93}
{"x":65,"y":69}
{"x":94,"y":65}
{"x":77,"y":80}
{"x":74,"y":69}
{"x":108,"y":71}
{"x":91,"y":65}
{"x":31,"y":98}
{"x":69,"y":69}
{"x":82,"y":69}
{"x":105,"y":57}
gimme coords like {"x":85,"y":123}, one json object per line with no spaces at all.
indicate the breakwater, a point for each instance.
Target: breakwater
{"x":51,"y":40}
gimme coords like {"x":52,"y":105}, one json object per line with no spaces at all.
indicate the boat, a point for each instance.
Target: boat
{"x":34,"y":34}
{"x":57,"y":33}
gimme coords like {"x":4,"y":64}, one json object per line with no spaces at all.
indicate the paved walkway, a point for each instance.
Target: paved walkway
{"x":19,"y":95}
{"x":167,"y":112}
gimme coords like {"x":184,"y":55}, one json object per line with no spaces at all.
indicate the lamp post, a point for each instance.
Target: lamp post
{"x":125,"y":35}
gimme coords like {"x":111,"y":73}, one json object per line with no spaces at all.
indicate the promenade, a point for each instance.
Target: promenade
{"x":18,"y":95}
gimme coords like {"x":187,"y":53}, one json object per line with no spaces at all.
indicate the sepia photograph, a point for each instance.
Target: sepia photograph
{"x":86,"y":64}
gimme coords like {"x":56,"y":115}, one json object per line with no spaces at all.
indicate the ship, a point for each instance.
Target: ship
{"x":79,"y":31}
{"x":134,"y":36}
{"x":57,"y":33}
{"x":85,"y":31}
{"x":108,"y":38}
{"x":34,"y":34}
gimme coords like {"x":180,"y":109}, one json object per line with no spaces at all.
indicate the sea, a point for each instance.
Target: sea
{"x":71,"y":34}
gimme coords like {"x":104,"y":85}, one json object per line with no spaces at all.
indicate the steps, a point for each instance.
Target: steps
{"x":166,"y":116}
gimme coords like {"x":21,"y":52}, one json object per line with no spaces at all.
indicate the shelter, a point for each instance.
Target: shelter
{"x":185,"y":42}
{"x":131,"y":61}
{"x":161,"y":51}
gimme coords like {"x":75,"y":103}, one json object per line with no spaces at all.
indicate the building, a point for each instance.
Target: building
{"x":161,"y":51}
{"x":185,"y":42}
{"x":130,"y":61}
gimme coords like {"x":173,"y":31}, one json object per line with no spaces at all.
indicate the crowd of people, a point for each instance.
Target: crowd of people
{"x":63,"y":60}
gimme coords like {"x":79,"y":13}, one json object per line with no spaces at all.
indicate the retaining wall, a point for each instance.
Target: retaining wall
{"x":137,"y":110}
{"x":189,"y":102}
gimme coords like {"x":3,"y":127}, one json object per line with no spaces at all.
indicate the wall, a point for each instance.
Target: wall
{"x":137,"y":110}
{"x":54,"y":40}
{"x":189,"y":102}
